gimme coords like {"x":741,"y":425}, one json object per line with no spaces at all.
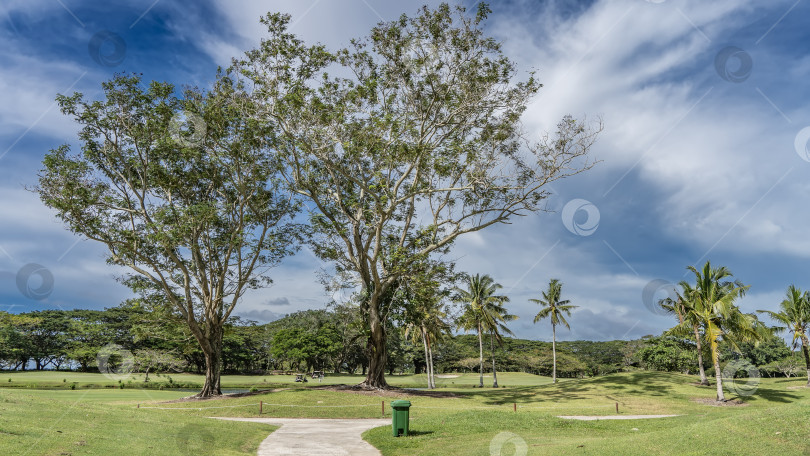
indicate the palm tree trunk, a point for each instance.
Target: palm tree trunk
{"x":431,"y":374}
{"x":480,"y":358}
{"x":806,"y":352}
{"x":703,"y":380}
{"x":719,"y":375}
{"x":427,"y":363}
{"x":554,"y":353}
{"x":492,"y":350}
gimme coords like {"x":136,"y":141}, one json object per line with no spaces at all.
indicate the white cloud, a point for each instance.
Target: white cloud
{"x":705,"y":154}
{"x":712,"y":148}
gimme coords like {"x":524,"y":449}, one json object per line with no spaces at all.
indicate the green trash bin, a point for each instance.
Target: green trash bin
{"x":399,"y":417}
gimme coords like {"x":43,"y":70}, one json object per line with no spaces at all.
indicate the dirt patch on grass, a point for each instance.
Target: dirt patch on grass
{"x":388,"y":392}
{"x":714,"y":403}
{"x":612,"y":417}
{"x":796,"y":387}
{"x":224,"y":396}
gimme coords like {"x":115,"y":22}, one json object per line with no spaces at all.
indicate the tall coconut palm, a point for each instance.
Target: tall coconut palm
{"x":427,"y":323}
{"x":721,"y":321}
{"x":495,"y":317}
{"x":423,"y":298}
{"x":483,"y":312}
{"x":684,"y":307}
{"x":554,"y":308}
{"x":795,"y":315}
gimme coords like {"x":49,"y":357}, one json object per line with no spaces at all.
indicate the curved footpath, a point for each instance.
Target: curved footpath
{"x":305,"y":436}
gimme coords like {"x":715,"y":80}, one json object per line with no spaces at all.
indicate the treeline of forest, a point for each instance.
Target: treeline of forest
{"x":333,"y":340}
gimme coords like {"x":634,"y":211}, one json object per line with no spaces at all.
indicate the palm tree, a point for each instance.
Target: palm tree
{"x":484,"y":311}
{"x":426,"y":322}
{"x":795,"y":315}
{"x":685,"y":309}
{"x":721,"y":321}
{"x":495,"y":317}
{"x":554,"y":308}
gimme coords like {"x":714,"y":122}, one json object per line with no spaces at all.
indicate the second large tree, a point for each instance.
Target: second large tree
{"x":402,"y":142}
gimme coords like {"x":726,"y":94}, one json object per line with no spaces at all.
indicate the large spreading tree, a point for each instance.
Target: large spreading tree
{"x":404,"y":141}
{"x":197,"y":215}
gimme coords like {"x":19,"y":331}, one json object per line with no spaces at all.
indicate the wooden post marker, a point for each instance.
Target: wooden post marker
{"x":515,"y":404}
{"x":382,"y":408}
{"x":617,"y":407}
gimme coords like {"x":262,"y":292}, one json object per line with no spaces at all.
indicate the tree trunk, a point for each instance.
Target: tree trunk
{"x":719,"y":375}
{"x":377,"y":355}
{"x":212,"y":350}
{"x":213,"y":365}
{"x":703,"y":380}
{"x":806,"y":352}
{"x":554,"y":353}
{"x":492,"y":350}
{"x":480,"y":358}
{"x":431,"y":377}
{"x":427,"y":363}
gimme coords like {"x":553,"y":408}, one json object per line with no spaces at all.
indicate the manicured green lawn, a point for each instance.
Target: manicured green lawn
{"x":106,"y":422}
{"x":51,"y":379}
{"x":775,"y":420}
{"x":475,"y":422}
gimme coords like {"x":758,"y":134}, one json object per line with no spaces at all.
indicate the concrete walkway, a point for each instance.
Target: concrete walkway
{"x":306,"y":436}
{"x":614,"y":417}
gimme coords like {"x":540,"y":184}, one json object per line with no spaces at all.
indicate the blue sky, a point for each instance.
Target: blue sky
{"x":704,"y":153}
